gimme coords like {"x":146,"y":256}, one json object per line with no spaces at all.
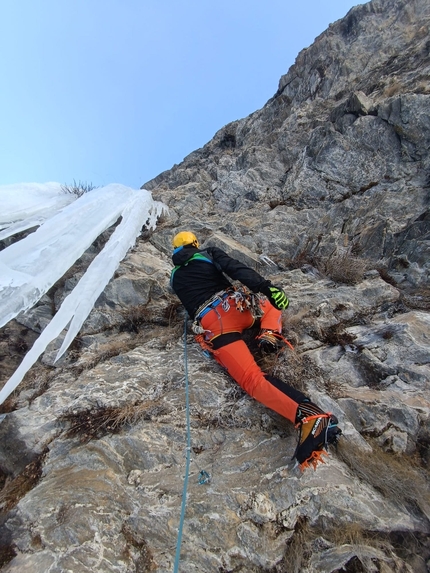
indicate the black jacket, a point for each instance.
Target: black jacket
{"x":198,"y":275}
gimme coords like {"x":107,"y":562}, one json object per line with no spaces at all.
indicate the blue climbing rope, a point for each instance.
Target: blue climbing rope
{"x":204,"y":477}
{"x":188,"y":455}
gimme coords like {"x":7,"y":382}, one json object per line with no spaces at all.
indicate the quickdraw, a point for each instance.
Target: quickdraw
{"x":240,"y":300}
{"x":204,"y":477}
{"x":246,"y":300}
{"x":257,"y":311}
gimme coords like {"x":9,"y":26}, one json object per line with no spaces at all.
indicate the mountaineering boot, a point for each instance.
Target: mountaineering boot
{"x":270,"y":341}
{"x":317,"y":429}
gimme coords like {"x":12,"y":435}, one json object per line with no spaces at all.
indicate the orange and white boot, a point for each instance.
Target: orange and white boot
{"x":317,"y":429}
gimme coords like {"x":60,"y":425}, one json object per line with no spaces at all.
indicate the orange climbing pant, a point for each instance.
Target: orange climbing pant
{"x":238,"y":360}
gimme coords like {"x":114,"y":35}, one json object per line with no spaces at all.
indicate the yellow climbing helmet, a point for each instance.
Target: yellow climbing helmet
{"x":185,"y":238}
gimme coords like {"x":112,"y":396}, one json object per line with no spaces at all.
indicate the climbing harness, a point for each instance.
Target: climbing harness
{"x":204,"y":477}
{"x":241,"y":298}
{"x":218,"y":298}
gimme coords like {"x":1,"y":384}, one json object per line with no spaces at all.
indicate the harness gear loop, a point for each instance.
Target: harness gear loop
{"x":197,"y":329}
{"x":205,"y":345}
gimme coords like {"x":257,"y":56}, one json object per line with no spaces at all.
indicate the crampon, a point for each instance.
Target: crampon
{"x":271,"y":341}
{"x":315,"y":458}
{"x":317,"y":429}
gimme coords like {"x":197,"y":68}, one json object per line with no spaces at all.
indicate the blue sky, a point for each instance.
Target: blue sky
{"x":117,"y":91}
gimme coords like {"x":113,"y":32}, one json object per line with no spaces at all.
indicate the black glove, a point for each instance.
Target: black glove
{"x":276,"y":296}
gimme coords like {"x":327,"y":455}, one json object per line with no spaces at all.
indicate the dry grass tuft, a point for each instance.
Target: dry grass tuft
{"x":16,"y":489}
{"x":310,"y":540}
{"x":336,"y":335}
{"x":350,"y":534}
{"x":297,"y":552}
{"x":296,"y":370}
{"x":104,"y":352}
{"x":227,"y":417}
{"x":335,"y":388}
{"x":420,"y":299}
{"x":136,"y":317}
{"x":343,"y":267}
{"x":399,"y":478}
{"x":145,"y":560}
{"x":116,"y":346}
{"x":10,"y":404}
{"x":385,"y":276}
{"x":291,"y":321}
{"x":394,"y":87}
{"x":98,"y":421}
{"x":37,"y":379}
{"x":78,"y":188}
{"x":304,"y":257}
{"x":7,"y":553}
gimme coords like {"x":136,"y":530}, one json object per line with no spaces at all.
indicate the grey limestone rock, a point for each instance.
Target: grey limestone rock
{"x":325,"y":190}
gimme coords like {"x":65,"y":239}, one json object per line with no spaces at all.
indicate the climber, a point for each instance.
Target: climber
{"x":220,"y":314}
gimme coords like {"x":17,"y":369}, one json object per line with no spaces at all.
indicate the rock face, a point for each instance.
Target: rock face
{"x":338,"y":157}
{"x":325,"y":190}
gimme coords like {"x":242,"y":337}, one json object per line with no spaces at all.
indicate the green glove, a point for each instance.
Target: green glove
{"x":277,"y":297}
